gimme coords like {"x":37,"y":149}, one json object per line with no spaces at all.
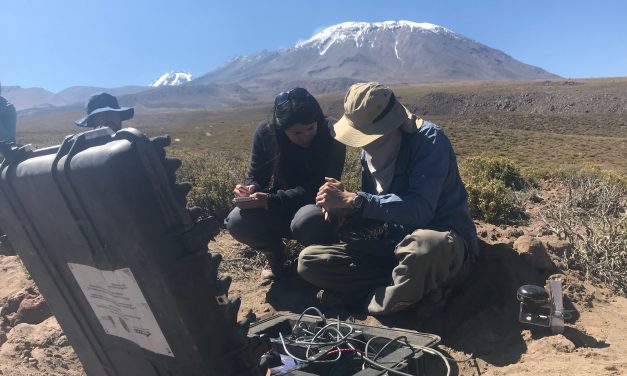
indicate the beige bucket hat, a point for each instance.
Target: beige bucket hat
{"x":370,"y":111}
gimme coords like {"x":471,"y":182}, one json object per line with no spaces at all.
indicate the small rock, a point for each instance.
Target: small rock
{"x":546,"y":232}
{"x":32,"y":310}
{"x":558,"y":247}
{"x":515,"y":233}
{"x":536,"y":198}
{"x":562,"y":344}
{"x":533,"y":252}
{"x":526,"y":335}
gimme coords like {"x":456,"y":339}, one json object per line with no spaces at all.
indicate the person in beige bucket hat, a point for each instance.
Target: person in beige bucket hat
{"x":410,"y":186}
{"x":370,"y":111}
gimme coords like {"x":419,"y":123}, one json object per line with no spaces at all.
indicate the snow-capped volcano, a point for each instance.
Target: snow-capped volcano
{"x":388,"y":52}
{"x":172,"y":79}
{"x":359,"y":32}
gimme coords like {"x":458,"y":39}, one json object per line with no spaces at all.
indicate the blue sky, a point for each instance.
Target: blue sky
{"x":62,"y":43}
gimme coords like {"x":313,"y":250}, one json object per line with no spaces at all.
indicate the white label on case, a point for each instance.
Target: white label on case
{"x":120,"y":306}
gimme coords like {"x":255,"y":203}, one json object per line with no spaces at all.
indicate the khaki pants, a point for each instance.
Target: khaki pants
{"x":391,"y":278}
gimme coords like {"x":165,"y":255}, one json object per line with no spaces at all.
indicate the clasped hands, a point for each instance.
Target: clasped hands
{"x":332,"y":195}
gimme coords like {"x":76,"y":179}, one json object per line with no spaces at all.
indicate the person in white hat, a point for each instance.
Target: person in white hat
{"x":411,"y":184}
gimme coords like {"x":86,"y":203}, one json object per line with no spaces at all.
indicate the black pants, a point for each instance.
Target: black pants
{"x":263,"y":229}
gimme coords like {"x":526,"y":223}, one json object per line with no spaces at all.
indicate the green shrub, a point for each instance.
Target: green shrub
{"x":494,"y":168}
{"x":490,"y":200}
{"x":213,"y":175}
{"x":491,"y":183}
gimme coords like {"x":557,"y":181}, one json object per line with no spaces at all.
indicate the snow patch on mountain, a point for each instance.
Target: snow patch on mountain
{"x":359,"y":32}
{"x":172,"y":79}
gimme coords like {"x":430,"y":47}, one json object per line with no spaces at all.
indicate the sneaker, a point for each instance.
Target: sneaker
{"x":267,"y":275}
{"x":274,"y":268}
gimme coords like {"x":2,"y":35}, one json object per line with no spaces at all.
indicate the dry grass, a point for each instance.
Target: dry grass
{"x":593,"y":219}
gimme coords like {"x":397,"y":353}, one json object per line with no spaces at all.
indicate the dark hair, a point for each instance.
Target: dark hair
{"x":297,"y":106}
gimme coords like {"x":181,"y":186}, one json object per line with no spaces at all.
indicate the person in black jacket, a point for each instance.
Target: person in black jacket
{"x":290,"y":159}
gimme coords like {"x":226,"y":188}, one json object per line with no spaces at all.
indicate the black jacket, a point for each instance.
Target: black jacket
{"x":300,"y":171}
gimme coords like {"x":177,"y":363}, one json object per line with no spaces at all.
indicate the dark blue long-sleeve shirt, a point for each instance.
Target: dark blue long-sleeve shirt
{"x":426,"y":191}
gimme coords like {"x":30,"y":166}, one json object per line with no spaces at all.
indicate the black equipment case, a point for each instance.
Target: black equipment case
{"x":104,"y":231}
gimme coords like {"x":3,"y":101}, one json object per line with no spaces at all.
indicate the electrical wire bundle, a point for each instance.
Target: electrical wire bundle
{"x":324,"y":342}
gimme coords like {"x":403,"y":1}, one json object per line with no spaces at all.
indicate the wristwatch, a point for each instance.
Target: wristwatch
{"x":358,"y":200}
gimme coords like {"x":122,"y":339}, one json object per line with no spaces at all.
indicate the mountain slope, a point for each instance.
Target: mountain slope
{"x":390,"y":52}
{"x":25,"y":98}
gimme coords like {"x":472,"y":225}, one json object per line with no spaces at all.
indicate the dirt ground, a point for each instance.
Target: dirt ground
{"x":479,"y":325}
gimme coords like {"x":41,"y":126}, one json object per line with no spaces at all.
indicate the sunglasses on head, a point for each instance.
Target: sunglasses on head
{"x":286,"y":96}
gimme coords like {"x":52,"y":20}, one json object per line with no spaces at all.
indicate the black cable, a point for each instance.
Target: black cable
{"x":397,"y":339}
{"x":324,"y":320}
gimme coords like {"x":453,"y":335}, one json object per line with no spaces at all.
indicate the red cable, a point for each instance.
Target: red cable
{"x":330,"y":352}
